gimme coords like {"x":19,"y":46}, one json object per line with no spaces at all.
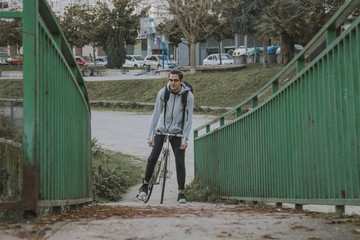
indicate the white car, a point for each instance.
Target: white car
{"x":101,"y":61}
{"x":134,"y":61}
{"x":155,"y":62}
{"x":214,"y":59}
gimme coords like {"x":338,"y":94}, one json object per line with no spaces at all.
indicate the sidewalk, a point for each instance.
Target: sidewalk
{"x":126,"y":76}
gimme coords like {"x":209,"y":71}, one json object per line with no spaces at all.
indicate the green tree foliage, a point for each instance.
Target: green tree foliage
{"x":115,"y":49}
{"x":284,"y":20}
{"x":170,"y":28}
{"x":244,"y":16}
{"x":89,"y":25}
{"x":73,"y":25}
{"x":123,"y":22}
{"x":192,"y":16}
{"x":11,"y":33}
{"x":220,"y":26}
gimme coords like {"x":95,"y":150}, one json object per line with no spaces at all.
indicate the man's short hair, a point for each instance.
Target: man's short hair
{"x":176,"y":72}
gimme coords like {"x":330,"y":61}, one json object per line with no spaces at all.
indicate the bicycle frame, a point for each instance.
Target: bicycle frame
{"x":160,"y":170}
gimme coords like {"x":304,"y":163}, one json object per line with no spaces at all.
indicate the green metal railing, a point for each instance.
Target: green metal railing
{"x":57,"y":134}
{"x":301,"y":144}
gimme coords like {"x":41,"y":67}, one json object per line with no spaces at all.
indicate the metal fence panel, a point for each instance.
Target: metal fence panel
{"x":301,"y":145}
{"x":57,"y":134}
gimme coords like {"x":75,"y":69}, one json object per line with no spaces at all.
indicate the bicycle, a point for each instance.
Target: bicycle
{"x":95,"y":72}
{"x":85,"y":71}
{"x":161,"y":168}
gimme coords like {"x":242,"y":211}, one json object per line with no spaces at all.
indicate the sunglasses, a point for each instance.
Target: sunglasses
{"x":174,"y":80}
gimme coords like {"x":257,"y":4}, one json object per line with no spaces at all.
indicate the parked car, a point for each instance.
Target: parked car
{"x":134,"y":61}
{"x":87,"y":59}
{"x":239,"y":52}
{"x":214,"y":59}
{"x":101,"y":61}
{"x":155,"y":62}
{"x":18,"y":60}
{"x":80,"y":61}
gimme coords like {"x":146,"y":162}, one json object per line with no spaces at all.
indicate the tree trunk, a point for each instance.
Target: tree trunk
{"x":192,"y":57}
{"x":94,"y":49}
{"x":255,"y":53}
{"x":265,"y":53}
{"x":189,"y":53}
{"x":219,"y":51}
{"x":287,"y":47}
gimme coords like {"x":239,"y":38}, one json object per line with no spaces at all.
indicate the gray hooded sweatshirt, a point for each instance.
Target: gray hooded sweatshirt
{"x":174,"y":113}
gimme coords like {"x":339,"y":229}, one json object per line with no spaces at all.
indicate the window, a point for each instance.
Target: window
{"x":55,"y":3}
{"x":4,"y":4}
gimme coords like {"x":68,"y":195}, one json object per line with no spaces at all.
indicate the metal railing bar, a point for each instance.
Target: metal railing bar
{"x":76,"y":79}
{"x":14,"y":14}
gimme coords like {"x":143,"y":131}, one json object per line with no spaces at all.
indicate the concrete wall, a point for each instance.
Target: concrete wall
{"x":11,"y":170}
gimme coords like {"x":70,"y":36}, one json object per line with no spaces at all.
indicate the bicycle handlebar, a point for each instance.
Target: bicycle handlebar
{"x":169,"y":134}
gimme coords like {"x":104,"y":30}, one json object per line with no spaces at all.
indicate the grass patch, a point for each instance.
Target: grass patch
{"x":11,"y":88}
{"x":4,"y":67}
{"x":114,"y":173}
{"x":218,"y":89}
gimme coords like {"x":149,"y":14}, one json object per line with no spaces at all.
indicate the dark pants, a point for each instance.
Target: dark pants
{"x":179,"y":159}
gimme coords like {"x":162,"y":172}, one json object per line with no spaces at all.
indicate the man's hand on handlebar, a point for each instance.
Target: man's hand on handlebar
{"x":183,"y":146}
{"x":150,"y":143}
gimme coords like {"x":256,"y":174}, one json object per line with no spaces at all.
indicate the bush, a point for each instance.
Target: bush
{"x":196,"y":191}
{"x":113,"y":173}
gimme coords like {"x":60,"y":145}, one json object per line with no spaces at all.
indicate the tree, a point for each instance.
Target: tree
{"x":171,"y":30}
{"x":11,"y":34}
{"x":122,"y":22}
{"x":244,"y":15}
{"x":192,"y":16}
{"x":73,"y":25}
{"x":285,"y":20}
{"x":115,"y":49}
{"x":221,"y":26}
{"x":94,"y":25}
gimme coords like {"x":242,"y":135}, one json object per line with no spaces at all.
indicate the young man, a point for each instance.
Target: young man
{"x":171,"y":121}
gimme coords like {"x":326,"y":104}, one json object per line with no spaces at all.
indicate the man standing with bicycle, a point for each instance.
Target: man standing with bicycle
{"x":176,"y":100}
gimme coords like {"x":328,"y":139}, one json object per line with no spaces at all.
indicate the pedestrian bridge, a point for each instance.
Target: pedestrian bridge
{"x":294,"y":141}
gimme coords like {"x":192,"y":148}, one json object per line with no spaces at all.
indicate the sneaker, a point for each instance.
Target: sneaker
{"x":143,"y":191}
{"x":181,"y":198}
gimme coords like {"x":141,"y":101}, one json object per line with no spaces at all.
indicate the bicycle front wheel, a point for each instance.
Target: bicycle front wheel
{"x":163,"y":177}
{"x":150,"y":188}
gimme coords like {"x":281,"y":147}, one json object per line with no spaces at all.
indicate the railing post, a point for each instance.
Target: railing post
{"x":275,"y":86}
{"x":30,"y":111}
{"x":238,"y":112}
{"x":196,"y":133}
{"x":12,"y":118}
{"x":255,"y":102}
{"x":300,"y":64}
{"x":222,"y":121}
{"x":207,"y":128}
{"x":330,"y":35}
{"x":339,"y":210}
